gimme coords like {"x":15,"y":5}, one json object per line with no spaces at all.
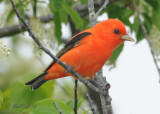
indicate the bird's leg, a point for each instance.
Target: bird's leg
{"x":75,"y":96}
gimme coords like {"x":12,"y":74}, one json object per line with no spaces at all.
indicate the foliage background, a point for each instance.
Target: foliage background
{"x":21,"y":60}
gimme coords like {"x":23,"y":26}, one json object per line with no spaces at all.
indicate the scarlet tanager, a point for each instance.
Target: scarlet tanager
{"x":86,"y":52}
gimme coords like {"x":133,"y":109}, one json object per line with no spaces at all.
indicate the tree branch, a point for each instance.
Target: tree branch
{"x":93,"y":108}
{"x":147,"y":38}
{"x":15,"y":29}
{"x":102,"y":8}
{"x":75,"y":96}
{"x":60,"y":112}
{"x":35,"y":8}
{"x":92,"y":17}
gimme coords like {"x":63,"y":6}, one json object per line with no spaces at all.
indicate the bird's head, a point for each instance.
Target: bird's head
{"x":113,"y":31}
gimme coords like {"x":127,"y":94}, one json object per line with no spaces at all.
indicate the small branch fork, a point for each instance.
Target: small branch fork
{"x":147,"y":38}
{"x":102,"y":8}
{"x":60,"y":112}
{"x":92,"y":15}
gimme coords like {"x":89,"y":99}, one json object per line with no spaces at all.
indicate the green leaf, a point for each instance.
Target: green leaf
{"x":55,"y":4}
{"x":20,"y":94}
{"x":153,"y":3}
{"x":71,"y":103}
{"x":20,"y":8}
{"x":46,"y":106}
{"x":63,"y":15}
{"x":147,"y":23}
{"x":11,"y":13}
{"x":57,"y":20}
{"x":136,"y":24}
{"x":87,"y":111}
{"x":75,"y":17}
{"x":115,"y":54}
{"x":57,"y":27}
{"x":120,"y":11}
{"x":1,"y":98}
{"x":138,"y":30}
{"x":84,"y":1}
{"x":139,"y":34}
{"x":155,"y":19}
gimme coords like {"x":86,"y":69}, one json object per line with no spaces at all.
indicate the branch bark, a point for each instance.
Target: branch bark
{"x":93,"y":108}
{"x":15,"y":29}
{"x":75,"y":96}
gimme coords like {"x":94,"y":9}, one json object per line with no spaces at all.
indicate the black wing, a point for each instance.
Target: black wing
{"x":38,"y":81}
{"x":71,"y":44}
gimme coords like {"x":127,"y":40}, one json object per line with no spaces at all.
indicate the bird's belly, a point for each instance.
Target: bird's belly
{"x":86,"y":60}
{"x":86,"y":63}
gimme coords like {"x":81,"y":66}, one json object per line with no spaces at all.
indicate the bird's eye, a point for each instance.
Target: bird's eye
{"x":116,"y":31}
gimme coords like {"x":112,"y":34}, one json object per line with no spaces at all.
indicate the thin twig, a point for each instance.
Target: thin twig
{"x":102,"y":8}
{"x":69,"y":69}
{"x":147,"y":38}
{"x":92,"y":17}
{"x":35,"y":8}
{"x":75,"y":97}
{"x":60,"y":112}
{"x":93,"y":108}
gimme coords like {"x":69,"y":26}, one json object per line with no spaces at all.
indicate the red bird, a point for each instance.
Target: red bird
{"x":86,"y":52}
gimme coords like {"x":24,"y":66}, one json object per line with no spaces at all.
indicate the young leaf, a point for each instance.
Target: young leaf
{"x":147,"y":23}
{"x":115,"y":54}
{"x":20,"y":8}
{"x":63,"y":15}
{"x":139,"y":35}
{"x":57,"y":27}
{"x":71,"y":103}
{"x":155,"y":18}
{"x":154,"y":4}
{"x":55,"y":4}
{"x":77,"y":20}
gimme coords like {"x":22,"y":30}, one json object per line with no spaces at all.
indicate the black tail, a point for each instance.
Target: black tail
{"x":37,"y":82}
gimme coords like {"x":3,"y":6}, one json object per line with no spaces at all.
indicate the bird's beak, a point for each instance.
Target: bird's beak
{"x":127,"y":38}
